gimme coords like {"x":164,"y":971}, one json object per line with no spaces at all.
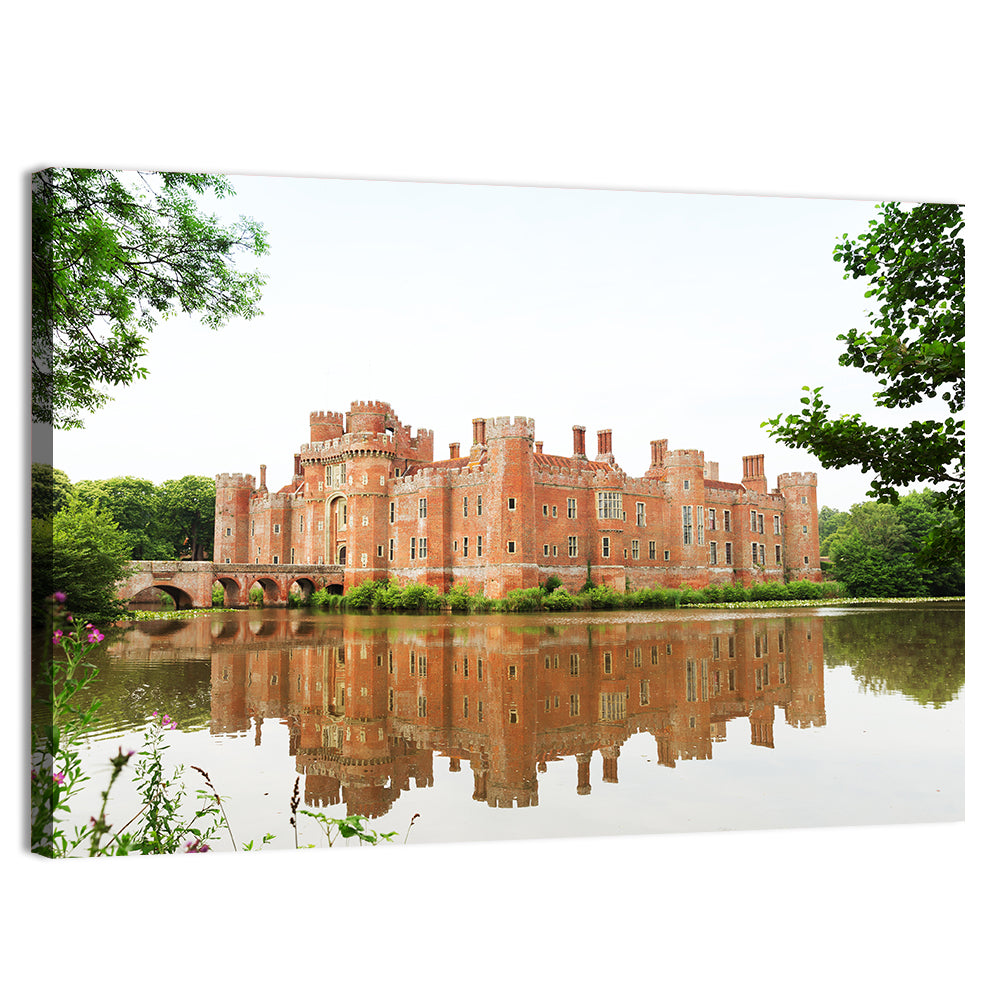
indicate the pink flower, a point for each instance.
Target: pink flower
{"x":195,"y":847}
{"x":59,"y":779}
{"x":94,"y":635}
{"x":56,"y":636}
{"x":59,"y":597}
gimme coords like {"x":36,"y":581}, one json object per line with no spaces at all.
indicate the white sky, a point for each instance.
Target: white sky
{"x":690,"y":317}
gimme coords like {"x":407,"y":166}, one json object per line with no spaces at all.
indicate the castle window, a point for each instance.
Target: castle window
{"x":713,"y":553}
{"x":381,"y":550}
{"x":392,"y":511}
{"x":479,"y":710}
{"x":253,"y":525}
{"x":753,"y":520}
{"x":609,"y":505}
{"x":479,"y":545}
{"x":805,"y":529}
{"x":666,"y":555}
{"x":511,"y":503}
{"x":711,"y":519}
{"x":413,"y":547}
{"x":422,"y":706}
{"x":605,"y":546}
{"x":715,"y":647}
{"x":465,"y":707}
{"x":545,"y":510}
{"x":277,"y":529}
{"x":640,"y":515}
{"x":686,"y":522}
{"x":545,"y":550}
{"x":513,"y":716}
{"x":687,"y":484}
{"x":643,"y":692}
{"x":726,"y":525}
{"x":456,"y":544}
{"x":555,"y":511}
{"x":571,"y":508}
{"x":465,"y":545}
{"x":574,"y":704}
{"x":465,"y":506}
{"x":319,"y":526}
{"x":274,"y":559}
{"x":555,"y":550}
{"x":753,"y":557}
{"x":805,"y":559}
{"x":422,"y":507}
{"x":227,"y":559}
{"x":701,"y":525}
{"x":607,"y":663}
{"x":571,"y":542}
{"x":422,"y":552}
{"x":229,"y":531}
{"x":392,"y":549}
{"x":479,"y":505}
{"x":512,"y":670}
{"x":343,"y":513}
{"x":729,"y":553}
{"x":635,"y":548}
{"x":652,"y":550}
{"x":293,"y":555}
{"x":777,"y":524}
{"x":802,"y":499}
{"x":510,"y":546}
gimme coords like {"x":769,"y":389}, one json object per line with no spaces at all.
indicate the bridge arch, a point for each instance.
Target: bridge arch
{"x":231,"y":596}
{"x":272,"y":592}
{"x":181,"y":598}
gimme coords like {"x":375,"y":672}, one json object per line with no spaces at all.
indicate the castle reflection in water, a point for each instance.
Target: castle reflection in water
{"x":369,"y":701}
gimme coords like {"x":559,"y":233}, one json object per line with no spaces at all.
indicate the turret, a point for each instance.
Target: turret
{"x":800,"y":525}
{"x":232,"y":517}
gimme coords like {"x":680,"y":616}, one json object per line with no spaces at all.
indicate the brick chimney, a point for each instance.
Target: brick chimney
{"x":579,"y":441}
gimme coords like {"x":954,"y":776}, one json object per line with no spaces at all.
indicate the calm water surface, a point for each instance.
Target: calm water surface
{"x":550,"y":725}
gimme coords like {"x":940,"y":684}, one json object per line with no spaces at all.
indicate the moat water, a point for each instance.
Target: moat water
{"x":492,"y":728}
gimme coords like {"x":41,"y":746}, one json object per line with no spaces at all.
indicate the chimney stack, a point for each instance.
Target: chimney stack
{"x":579,"y":442}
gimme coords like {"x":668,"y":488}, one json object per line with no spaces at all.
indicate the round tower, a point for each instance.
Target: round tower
{"x":800,"y":526}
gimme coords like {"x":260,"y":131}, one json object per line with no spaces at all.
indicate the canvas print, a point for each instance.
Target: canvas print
{"x":385,"y":514}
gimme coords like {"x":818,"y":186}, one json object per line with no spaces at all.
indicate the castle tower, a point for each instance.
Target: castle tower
{"x":324,"y":425}
{"x":232,"y":517}
{"x":685,"y":472}
{"x":368,"y":450}
{"x":800,"y":526}
{"x":510,"y":499}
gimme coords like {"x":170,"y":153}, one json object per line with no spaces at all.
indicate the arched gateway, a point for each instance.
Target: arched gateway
{"x":190,"y":583}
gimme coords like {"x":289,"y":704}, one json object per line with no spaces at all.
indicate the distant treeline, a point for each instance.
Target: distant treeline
{"x":912,"y":548}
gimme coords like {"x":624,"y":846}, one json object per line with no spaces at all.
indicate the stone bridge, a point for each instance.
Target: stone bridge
{"x":190,"y":583}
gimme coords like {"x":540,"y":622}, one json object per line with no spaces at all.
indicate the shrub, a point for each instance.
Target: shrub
{"x":459,"y":598}
{"x":552,"y":583}
{"x":560,"y":599}
{"x":218,"y":595}
{"x":523,"y":600}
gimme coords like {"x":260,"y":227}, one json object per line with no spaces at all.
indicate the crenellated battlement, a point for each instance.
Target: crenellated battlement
{"x":235,"y":481}
{"x":796,"y":479}
{"x":507,"y":427}
{"x":683,"y":457}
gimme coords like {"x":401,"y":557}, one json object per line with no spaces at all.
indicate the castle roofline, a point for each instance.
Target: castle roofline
{"x":715,"y":484}
{"x":560,"y":462}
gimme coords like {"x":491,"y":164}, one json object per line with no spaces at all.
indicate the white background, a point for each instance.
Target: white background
{"x":855,"y":101}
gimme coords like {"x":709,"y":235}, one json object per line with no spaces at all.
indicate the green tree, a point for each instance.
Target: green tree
{"x":50,"y":489}
{"x":186,"y":514}
{"x":82,"y":553}
{"x":132,"y":504}
{"x":830,"y":520}
{"x":914,"y":261}
{"x":881,"y":549}
{"x":112,"y":254}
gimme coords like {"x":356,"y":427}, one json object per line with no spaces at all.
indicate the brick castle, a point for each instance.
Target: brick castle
{"x":367,"y":494}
